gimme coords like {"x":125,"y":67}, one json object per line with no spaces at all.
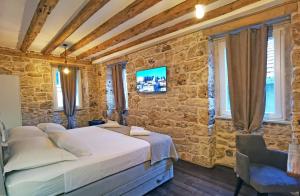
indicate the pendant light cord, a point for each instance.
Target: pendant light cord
{"x":65,"y":46}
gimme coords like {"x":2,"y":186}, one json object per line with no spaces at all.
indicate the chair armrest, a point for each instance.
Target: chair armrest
{"x":242,"y":166}
{"x":277,"y":159}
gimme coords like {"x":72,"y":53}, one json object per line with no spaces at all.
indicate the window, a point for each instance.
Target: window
{"x":222,"y":79}
{"x":124,"y":75}
{"x":57,"y":95}
{"x":275,"y":84}
{"x":109,"y":89}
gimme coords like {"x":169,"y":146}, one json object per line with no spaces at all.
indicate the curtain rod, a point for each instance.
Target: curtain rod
{"x":68,"y":65}
{"x":268,"y":23}
{"x":121,"y":62}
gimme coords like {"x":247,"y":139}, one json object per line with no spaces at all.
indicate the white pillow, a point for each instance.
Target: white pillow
{"x":51,"y":127}
{"x":22,"y":132}
{"x":110,"y":124}
{"x":34,"y":152}
{"x":69,"y":142}
{"x":138,"y":131}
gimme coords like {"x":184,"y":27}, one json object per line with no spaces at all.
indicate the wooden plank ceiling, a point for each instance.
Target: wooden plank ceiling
{"x":95,"y":29}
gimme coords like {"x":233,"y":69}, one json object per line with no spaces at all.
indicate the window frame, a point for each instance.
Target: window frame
{"x":220,"y":90}
{"x":125,"y":85}
{"x":278,"y":33}
{"x":78,"y":86}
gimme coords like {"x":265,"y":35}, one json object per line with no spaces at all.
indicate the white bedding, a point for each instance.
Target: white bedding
{"x":112,"y":153}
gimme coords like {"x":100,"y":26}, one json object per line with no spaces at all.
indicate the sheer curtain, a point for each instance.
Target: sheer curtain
{"x":247,"y":64}
{"x":68,"y":86}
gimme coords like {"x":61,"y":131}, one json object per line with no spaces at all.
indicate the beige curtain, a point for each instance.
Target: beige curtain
{"x":247,"y":65}
{"x":68,"y":86}
{"x":118,"y":87}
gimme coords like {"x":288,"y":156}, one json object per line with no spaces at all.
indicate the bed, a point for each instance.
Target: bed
{"x":119,"y":165}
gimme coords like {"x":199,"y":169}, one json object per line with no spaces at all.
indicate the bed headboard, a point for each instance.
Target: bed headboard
{"x":10,"y":101}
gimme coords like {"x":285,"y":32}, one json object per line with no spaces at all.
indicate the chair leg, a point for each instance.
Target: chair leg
{"x":262,"y":194}
{"x":238,"y":186}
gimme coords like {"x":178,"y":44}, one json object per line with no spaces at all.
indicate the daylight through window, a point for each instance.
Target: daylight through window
{"x":58,"y":96}
{"x":274,"y":79}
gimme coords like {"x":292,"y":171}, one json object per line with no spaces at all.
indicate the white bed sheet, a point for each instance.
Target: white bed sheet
{"x":111,"y":153}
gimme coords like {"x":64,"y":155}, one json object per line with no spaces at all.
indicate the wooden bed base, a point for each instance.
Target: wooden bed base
{"x":131,"y":182}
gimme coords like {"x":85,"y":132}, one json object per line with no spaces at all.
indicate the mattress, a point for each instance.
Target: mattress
{"x":30,"y":187}
{"x":111,"y":153}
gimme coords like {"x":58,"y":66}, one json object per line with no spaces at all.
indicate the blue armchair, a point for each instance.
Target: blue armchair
{"x":261,"y":168}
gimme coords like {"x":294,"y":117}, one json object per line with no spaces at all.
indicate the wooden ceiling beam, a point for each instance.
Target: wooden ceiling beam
{"x":284,"y":9}
{"x":84,"y":14}
{"x":208,"y":15}
{"x":159,"y":19}
{"x":39,"y":18}
{"x":50,"y":58}
{"x":135,"y":8}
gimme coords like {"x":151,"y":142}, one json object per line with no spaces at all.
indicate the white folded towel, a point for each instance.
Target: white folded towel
{"x":138,"y":131}
{"x":110,"y":124}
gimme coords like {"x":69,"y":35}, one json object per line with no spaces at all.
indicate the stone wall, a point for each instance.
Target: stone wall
{"x":37,"y":90}
{"x":182,"y":112}
{"x":295,"y":55}
{"x":186,"y":111}
{"x":277,"y":136}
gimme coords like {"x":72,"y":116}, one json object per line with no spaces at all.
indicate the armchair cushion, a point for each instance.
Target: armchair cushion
{"x":268,"y":179}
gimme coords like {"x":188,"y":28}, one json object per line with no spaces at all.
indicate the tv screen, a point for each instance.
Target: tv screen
{"x":152,"y":80}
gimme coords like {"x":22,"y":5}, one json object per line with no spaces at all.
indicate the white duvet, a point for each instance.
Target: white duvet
{"x":111,"y":153}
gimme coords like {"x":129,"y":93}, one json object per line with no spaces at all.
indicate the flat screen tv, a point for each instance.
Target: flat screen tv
{"x":152,"y":80}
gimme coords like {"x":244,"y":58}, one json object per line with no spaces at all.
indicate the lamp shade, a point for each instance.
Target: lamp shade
{"x":66,"y":70}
